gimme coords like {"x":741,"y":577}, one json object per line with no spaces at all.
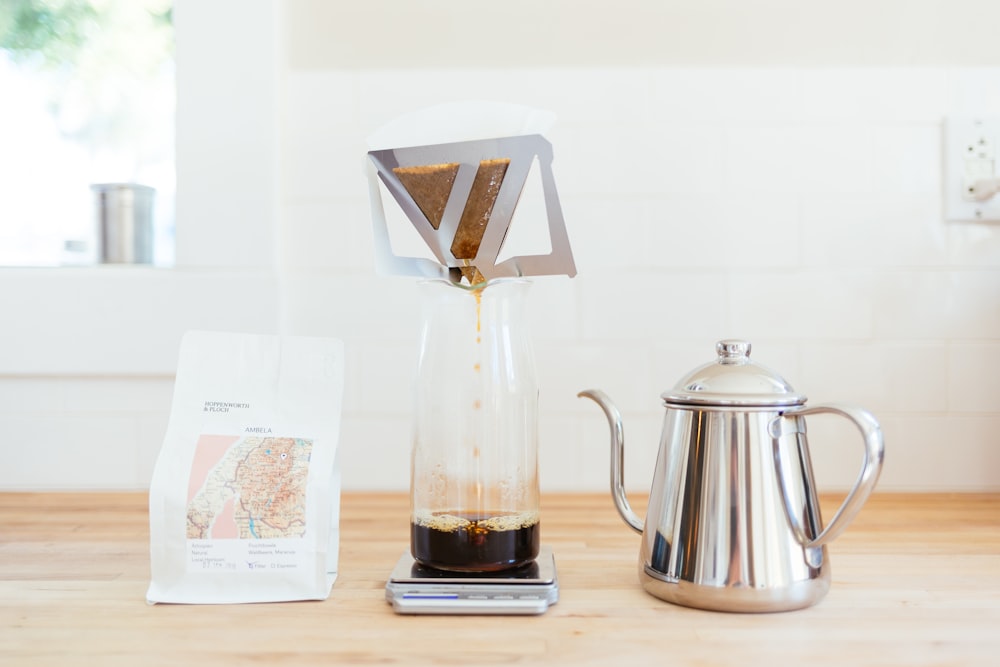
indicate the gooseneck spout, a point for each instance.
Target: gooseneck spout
{"x":617,"y":457}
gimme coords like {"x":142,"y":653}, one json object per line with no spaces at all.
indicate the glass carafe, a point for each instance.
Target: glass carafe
{"x":474,"y":469}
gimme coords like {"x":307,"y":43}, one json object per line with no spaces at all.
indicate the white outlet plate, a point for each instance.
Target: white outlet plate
{"x":971,"y":152}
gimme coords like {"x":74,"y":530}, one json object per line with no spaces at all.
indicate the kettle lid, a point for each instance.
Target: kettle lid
{"x":733,"y":380}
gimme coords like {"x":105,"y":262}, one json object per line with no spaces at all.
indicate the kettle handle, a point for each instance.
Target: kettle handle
{"x":617,"y":457}
{"x":863,"y":486}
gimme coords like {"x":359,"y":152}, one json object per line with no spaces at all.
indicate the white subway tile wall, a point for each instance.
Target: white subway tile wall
{"x":799,"y":208}
{"x":81,"y":433}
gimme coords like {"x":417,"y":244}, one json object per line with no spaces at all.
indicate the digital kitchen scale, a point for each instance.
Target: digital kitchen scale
{"x":529,"y":590}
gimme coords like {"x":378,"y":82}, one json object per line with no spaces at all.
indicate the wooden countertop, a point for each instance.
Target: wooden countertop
{"x":916,"y":581}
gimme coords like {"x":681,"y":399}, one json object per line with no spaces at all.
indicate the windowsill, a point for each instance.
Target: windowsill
{"x":123,"y":320}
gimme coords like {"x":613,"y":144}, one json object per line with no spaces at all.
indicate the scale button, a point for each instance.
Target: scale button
{"x":477,"y":597}
{"x":503,"y":597}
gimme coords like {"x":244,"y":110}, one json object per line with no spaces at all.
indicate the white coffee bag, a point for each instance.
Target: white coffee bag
{"x":244,"y":505}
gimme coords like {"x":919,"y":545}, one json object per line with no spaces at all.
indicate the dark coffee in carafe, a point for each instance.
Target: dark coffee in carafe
{"x":475,"y":542}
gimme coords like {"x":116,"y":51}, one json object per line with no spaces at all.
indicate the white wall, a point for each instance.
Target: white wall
{"x":782,"y":170}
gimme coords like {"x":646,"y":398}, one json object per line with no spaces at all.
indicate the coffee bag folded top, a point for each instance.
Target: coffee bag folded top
{"x":244,"y":504}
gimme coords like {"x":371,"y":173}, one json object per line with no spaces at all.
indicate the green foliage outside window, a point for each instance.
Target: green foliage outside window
{"x":46,"y":33}
{"x":102,"y":61}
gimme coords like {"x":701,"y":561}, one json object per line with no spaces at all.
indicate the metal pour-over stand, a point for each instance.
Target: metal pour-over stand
{"x":413,"y":588}
{"x":522,"y":152}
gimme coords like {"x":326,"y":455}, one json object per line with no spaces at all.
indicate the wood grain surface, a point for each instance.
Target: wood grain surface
{"x":916,"y":581}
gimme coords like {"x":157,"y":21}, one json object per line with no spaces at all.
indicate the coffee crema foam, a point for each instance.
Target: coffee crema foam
{"x":452,"y":521}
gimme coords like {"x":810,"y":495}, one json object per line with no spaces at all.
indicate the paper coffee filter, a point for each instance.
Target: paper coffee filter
{"x":461,"y":121}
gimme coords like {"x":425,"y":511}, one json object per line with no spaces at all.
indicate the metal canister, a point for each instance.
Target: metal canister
{"x":124,"y":216}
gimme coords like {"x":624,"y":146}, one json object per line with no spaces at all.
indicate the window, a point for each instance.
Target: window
{"x":88,"y":97}
{"x":109,"y":322}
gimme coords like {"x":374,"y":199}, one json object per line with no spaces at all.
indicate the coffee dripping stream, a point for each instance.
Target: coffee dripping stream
{"x":474,"y":460}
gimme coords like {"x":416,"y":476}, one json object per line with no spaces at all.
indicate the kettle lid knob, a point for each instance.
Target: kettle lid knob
{"x":733,"y":351}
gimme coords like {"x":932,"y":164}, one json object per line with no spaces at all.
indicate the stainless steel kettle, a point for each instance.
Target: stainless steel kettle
{"x":733,"y":522}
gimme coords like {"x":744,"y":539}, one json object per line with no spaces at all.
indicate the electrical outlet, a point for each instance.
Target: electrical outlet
{"x":971,"y":186}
